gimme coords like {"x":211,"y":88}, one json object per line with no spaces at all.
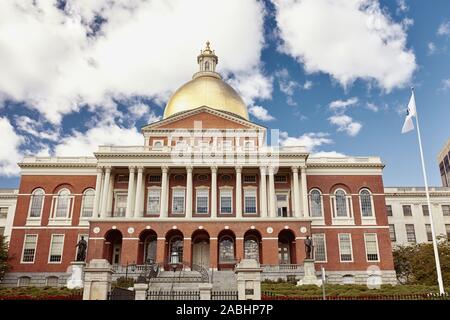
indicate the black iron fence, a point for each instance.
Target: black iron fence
{"x":424,"y":296}
{"x":224,"y":295}
{"x":173,"y":295}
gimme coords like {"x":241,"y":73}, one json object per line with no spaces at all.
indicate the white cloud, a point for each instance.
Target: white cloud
{"x":431,"y":48}
{"x":252,"y":85}
{"x":446,"y":84}
{"x":444,"y":29}
{"x":307,"y":85}
{"x":153,"y":117}
{"x":346,"y":124}
{"x":36,"y":129}
{"x":144,"y":49}
{"x":85,"y":144}
{"x":260,"y":113}
{"x":310,"y":140}
{"x":139,"y":110}
{"x":10,"y":143}
{"x":373,"y":107}
{"x":402,"y":6}
{"x":348,"y":39}
{"x":287,"y":85}
{"x":343,"y":104}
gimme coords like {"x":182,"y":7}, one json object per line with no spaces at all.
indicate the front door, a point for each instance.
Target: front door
{"x":200,"y":254}
{"x":284,"y":253}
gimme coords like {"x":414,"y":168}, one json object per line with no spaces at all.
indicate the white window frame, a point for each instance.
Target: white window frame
{"x":249,"y":175}
{"x":35,"y":220}
{"x":324,"y":246}
{"x":253,"y":190}
{"x":126,"y":178}
{"x":202,"y":189}
{"x":158,"y":141}
{"x":178,"y":189}
{"x":50,"y":248}
{"x":21,"y":277}
{"x":83,"y":203}
{"x":67,"y":220}
{"x":321,"y":205}
{"x":280,"y":175}
{"x":230,"y":190}
{"x":119,"y":192}
{"x":395,"y":232}
{"x":287,"y":193}
{"x":340,"y":248}
{"x":149,"y":190}
{"x":406,"y":232}
{"x":371,"y":220}
{"x":347,"y":220}
{"x":86,"y":238}
{"x":376,"y":242}
{"x":23,"y":248}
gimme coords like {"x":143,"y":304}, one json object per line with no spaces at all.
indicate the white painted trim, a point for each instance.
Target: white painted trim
{"x":321,"y":204}
{"x":35,"y":220}
{"x":365,"y":246}
{"x":372,"y":216}
{"x":340,"y":248}
{"x":255,"y":190}
{"x":202,"y":188}
{"x":82,"y":204}
{"x":229,"y":189}
{"x":324,"y":245}
{"x":350,"y":227}
{"x":153,"y":189}
{"x":49,"y":227}
{"x":184,"y":200}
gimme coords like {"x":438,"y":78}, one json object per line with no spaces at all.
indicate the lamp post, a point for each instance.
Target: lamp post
{"x":174,"y":260}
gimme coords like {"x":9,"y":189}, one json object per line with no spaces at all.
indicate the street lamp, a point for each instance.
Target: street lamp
{"x":174,"y":260}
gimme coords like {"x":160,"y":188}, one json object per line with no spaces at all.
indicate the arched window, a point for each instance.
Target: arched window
{"x":226,"y":250}
{"x":251,"y":248}
{"x":37,"y":200}
{"x":150,"y":249}
{"x":206,"y":66}
{"x":24,"y":281}
{"x":62,"y":204}
{"x":341,"y":203}
{"x":365,"y":199}
{"x":316,"y":203}
{"x":88,"y":203}
{"x":176,"y":246}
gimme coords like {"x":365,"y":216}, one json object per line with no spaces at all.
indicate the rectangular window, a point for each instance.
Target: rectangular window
{"x":120,"y":205}
{"x":392,"y":233}
{"x":250,"y":201}
{"x":154,"y":178}
{"x":29,"y":248}
{"x":320,"y":250}
{"x":56,"y":248}
{"x":429,"y":234}
{"x":425,"y":210}
{"x":2,"y":231}
{"x":447,"y":230}
{"x":178,"y":202}
{"x":250,"y":179}
{"x":202,"y":201}
{"x":345,"y":247}
{"x":407,"y":210}
{"x":3,"y":212}
{"x":371,"y":246}
{"x":446,"y":210}
{"x":226,"y":199}
{"x":410,"y":233}
{"x":280,"y":178}
{"x":153,"y":201}
{"x":122,"y":178}
{"x":389,"y":210}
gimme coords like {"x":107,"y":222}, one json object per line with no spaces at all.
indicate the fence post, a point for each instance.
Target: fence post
{"x":205,"y":291}
{"x":140,"y":290}
{"x":97,"y":280}
{"x":248,"y":279}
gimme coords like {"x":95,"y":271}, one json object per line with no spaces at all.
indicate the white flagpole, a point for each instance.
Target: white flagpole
{"x":433,"y":234}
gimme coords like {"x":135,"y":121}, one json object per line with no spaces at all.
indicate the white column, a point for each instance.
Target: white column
{"x":105,"y":192}
{"x":213,"y":192}
{"x":130,"y":198}
{"x":238,"y":192}
{"x":263,"y":192}
{"x":164,"y":192}
{"x":297,"y":212}
{"x":189,"y":192}
{"x":109,"y":207}
{"x":98,"y":186}
{"x":304,"y":193}
{"x":272,"y":204}
{"x":138,"y":203}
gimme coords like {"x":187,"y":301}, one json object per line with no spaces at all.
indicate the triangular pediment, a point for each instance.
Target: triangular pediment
{"x":209,"y":118}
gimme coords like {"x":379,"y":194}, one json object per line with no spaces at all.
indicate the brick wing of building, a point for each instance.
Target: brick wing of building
{"x":207,"y":187}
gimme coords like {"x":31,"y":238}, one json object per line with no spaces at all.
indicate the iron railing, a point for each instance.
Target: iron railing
{"x":224,"y":295}
{"x":173,"y":295}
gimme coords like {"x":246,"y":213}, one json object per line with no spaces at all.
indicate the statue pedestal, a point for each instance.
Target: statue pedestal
{"x":75,"y":281}
{"x":310,"y":274}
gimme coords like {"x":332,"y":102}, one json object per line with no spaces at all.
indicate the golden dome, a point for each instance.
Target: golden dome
{"x":206,"y":89}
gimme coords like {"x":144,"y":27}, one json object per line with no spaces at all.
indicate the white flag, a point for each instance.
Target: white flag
{"x":410,"y":113}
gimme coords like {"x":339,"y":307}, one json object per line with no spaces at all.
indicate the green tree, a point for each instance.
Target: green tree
{"x":4,"y":266}
{"x":415,"y":264}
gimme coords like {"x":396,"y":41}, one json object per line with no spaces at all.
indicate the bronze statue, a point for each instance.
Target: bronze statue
{"x":309,"y":247}
{"x":82,"y":247}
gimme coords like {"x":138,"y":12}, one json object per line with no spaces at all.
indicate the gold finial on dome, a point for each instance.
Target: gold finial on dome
{"x":207,"y":60}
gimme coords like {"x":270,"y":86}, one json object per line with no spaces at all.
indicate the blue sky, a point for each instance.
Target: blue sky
{"x":332,"y":75}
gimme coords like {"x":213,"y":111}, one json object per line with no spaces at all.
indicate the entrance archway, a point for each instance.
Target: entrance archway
{"x":113,"y":246}
{"x":174,"y":244}
{"x":286,"y":247}
{"x":200,"y":249}
{"x":252,"y":245}
{"x":147,"y":247}
{"x":226,"y":250}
